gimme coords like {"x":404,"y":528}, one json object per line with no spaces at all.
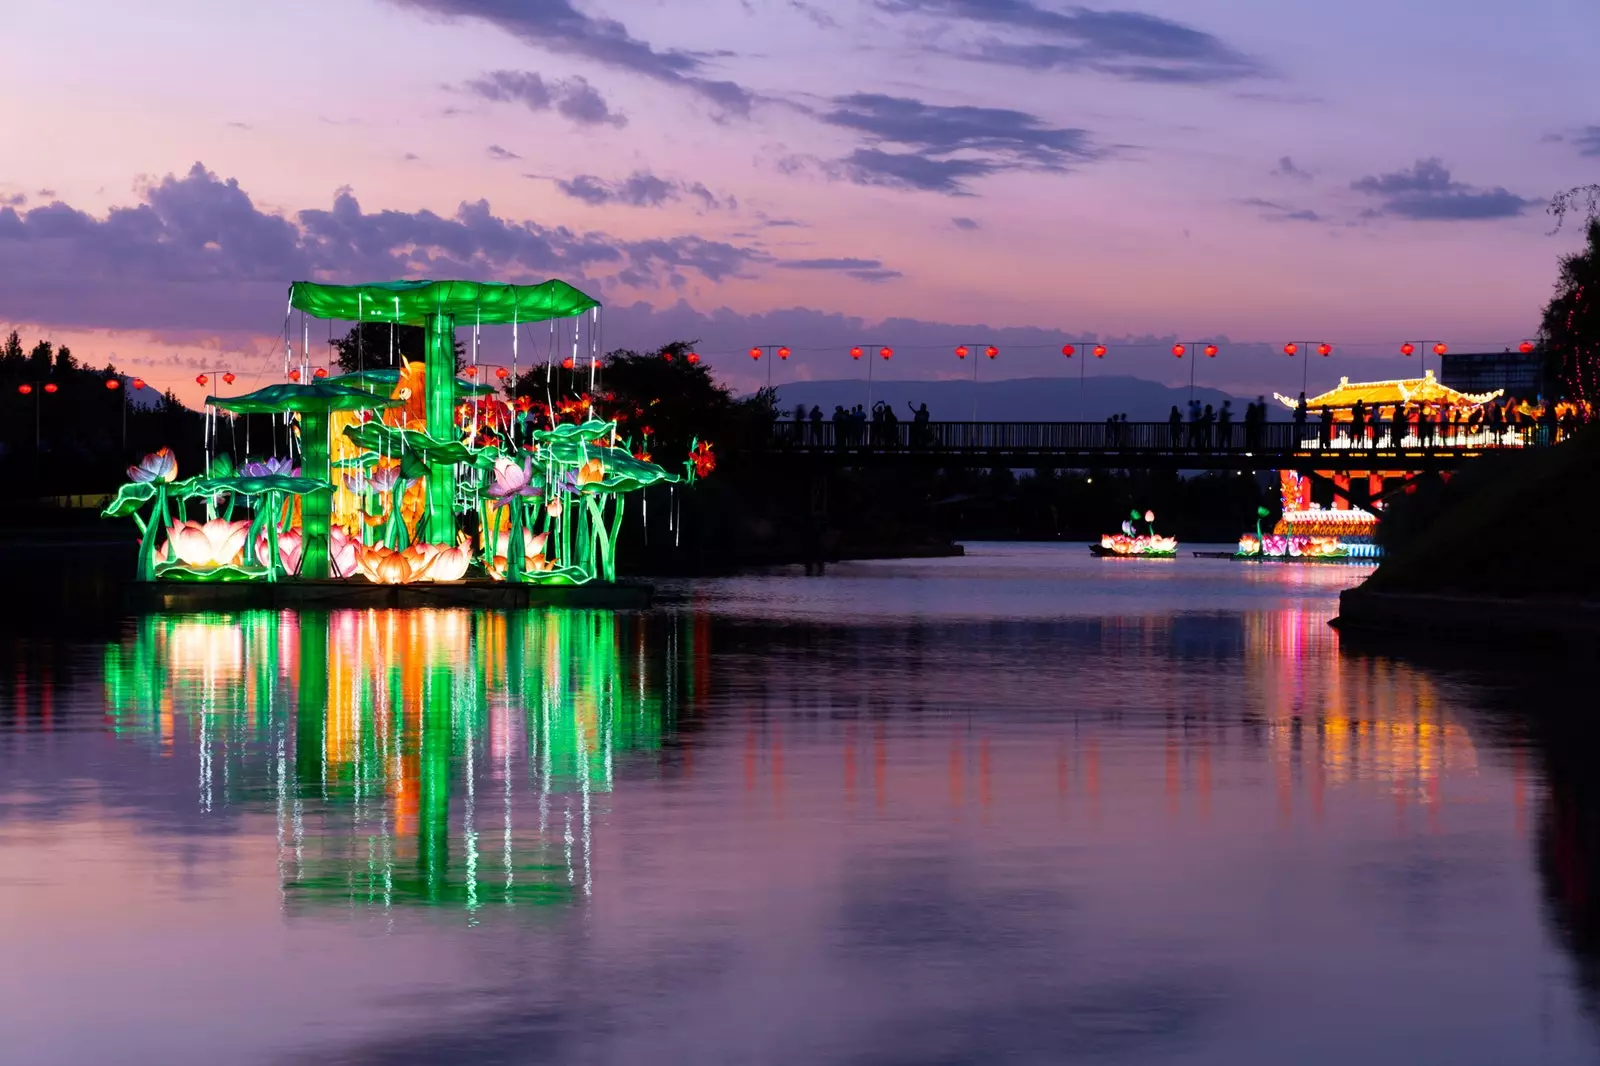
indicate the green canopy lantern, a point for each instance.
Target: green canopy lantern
{"x":435,"y":306}
{"x":312,"y":403}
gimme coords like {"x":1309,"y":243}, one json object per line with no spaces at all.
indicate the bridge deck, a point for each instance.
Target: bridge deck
{"x":1086,"y":445}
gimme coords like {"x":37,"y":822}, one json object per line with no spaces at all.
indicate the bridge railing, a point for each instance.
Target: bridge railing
{"x":1098,"y":438}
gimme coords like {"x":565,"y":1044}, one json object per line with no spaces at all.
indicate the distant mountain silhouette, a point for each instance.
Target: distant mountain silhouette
{"x":1018,"y":399}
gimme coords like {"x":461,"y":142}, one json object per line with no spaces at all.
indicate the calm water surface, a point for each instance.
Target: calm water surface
{"x":1025,"y":806}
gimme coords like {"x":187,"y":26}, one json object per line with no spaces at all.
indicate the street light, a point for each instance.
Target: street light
{"x":991,"y":351}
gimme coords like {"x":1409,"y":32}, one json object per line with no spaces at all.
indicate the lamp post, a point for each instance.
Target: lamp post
{"x":769,"y":350}
{"x":990,"y":351}
{"x":858,"y":352}
{"x":37,"y":389}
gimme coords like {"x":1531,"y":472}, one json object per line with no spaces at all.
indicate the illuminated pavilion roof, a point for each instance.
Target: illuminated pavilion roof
{"x":1425,"y":389}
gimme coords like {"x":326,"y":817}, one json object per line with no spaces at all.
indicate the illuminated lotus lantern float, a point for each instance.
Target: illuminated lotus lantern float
{"x":390,"y":459}
{"x":1132,"y":544}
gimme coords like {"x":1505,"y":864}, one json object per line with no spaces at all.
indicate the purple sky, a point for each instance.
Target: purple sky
{"x":788,"y":171}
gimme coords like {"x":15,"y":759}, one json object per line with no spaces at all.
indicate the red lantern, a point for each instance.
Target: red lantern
{"x":886,"y":352}
{"x":693,"y":357}
{"x":566,"y":364}
{"x":1324,"y":349}
{"x":294,"y":375}
{"x":991,"y":351}
{"x":783,"y":353}
{"x":113,"y":384}
{"x":667,"y":356}
{"x":1290,"y":349}
{"x":25,"y":389}
{"x":1525,"y":347}
{"x":471,"y":371}
{"x":755,"y":353}
{"x":1211,"y":351}
{"x":1099,"y":351}
{"x":855,"y":353}
{"x":201,"y":379}
{"x":961,"y":351}
{"x":320,"y":372}
{"x":228,"y":378}
{"x":1439,"y":349}
{"x":1407,"y":348}
{"x":138,"y":383}
{"x":501,"y":372}
{"x":1177,"y":351}
{"x":1067,"y":350}
{"x":51,"y":386}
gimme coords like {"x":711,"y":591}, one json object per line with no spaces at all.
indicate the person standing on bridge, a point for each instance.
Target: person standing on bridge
{"x":816,"y":424}
{"x":1208,"y":418}
{"x":1327,"y":424}
{"x":1175,"y":428}
{"x":1225,"y":426}
{"x":919,"y":425}
{"x":1358,"y":424}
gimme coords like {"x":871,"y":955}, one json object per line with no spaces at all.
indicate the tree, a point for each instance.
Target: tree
{"x":65,"y":363}
{"x":39,"y":359}
{"x":12,"y":358}
{"x":1570,"y":330}
{"x":367,"y":347}
{"x":1584,"y":199}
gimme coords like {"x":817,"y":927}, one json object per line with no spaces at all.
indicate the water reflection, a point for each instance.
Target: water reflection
{"x":789,"y":820}
{"x":436,"y":757}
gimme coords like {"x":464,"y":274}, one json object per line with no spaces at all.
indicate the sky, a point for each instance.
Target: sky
{"x":910,"y":173}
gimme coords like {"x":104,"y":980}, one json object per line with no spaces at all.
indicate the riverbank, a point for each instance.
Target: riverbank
{"x":1500,"y":554}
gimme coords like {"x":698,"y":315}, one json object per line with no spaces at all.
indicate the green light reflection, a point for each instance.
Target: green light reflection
{"x":438,"y":757}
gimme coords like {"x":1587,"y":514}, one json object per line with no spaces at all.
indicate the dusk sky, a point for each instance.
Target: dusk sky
{"x":910,"y":172}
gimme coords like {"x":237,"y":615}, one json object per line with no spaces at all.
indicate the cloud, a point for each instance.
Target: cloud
{"x":860,"y":269}
{"x":557,"y":26}
{"x":197,"y":253}
{"x":1287,"y":169}
{"x":15,"y":199}
{"x":961,"y":222}
{"x":410,"y":157}
{"x":639,"y":189}
{"x":1427,"y":192}
{"x":947,"y":146}
{"x":1271,"y":209}
{"x":573,"y":98}
{"x":1124,"y":44}
{"x":240,"y":126}
{"x":46,"y":194}
{"x":1587,"y":141}
{"x":494,"y":151}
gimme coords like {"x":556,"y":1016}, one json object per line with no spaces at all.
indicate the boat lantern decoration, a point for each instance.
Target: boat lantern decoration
{"x":1130,"y":543}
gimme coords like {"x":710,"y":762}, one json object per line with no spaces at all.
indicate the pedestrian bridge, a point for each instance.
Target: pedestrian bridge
{"x":1144,"y":445}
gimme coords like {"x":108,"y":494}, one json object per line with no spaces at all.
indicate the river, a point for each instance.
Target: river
{"x":1022,"y":806}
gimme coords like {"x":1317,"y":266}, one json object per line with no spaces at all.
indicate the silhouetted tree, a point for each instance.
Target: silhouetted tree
{"x":368,"y":345}
{"x":40,"y":358}
{"x":1570,"y":330}
{"x":12,"y":357}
